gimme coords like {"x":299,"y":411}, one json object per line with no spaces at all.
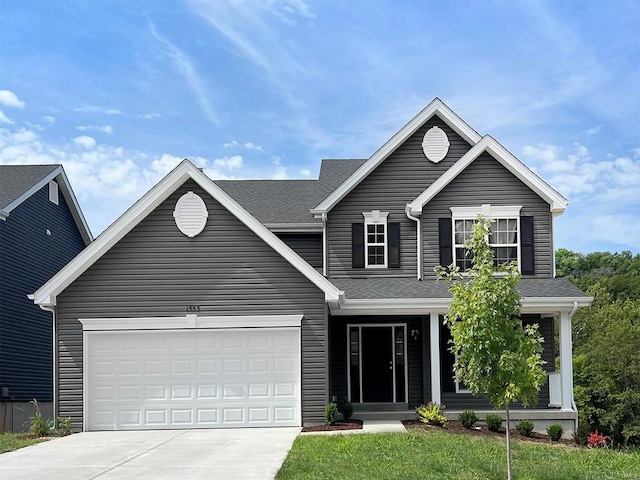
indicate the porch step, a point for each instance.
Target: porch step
{"x":384,"y":415}
{"x":377,"y":407}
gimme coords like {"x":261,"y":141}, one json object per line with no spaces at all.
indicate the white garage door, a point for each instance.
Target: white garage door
{"x":160,"y":379}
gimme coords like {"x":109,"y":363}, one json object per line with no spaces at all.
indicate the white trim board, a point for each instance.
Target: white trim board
{"x":438,"y":107}
{"x":47,"y":294}
{"x":557,"y":202}
{"x":190,"y":321}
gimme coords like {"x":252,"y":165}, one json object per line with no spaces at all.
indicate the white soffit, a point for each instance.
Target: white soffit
{"x":438,"y":107}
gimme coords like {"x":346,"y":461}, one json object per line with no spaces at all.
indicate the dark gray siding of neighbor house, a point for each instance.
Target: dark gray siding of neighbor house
{"x":461,"y":401}
{"x":404,"y":175}
{"x":308,"y":246}
{"x":157,"y":271}
{"x":487,"y":181}
{"x":28,"y":258}
{"x":338,"y":354}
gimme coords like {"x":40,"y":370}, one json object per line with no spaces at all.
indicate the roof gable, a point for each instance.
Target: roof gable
{"x":46,"y":295}
{"x":19,"y":182}
{"x":556,"y":201}
{"x":436,"y":107}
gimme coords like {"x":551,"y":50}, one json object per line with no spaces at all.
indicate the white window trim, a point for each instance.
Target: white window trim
{"x":53,"y":192}
{"x":375,"y":217}
{"x":494,"y":212}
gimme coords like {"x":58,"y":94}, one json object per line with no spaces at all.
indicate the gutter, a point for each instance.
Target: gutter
{"x":416,"y":219}
{"x":573,"y":400}
{"x":325,"y":247}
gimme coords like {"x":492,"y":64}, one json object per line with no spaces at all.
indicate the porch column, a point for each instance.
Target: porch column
{"x":566,"y":361}
{"x":434,"y":338}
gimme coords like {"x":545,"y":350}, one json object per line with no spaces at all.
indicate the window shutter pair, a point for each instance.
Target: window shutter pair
{"x":527,"y":266}
{"x":357,"y":245}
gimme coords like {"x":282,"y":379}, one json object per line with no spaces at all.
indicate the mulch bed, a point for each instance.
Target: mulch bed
{"x":483,"y":431}
{"x":350,"y":424}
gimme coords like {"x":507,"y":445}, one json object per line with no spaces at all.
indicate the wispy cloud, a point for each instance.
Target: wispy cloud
{"x":108,"y":129}
{"x":4,"y":118}
{"x":96,"y":109}
{"x":229,"y":163}
{"x":10,"y":99}
{"x":230,"y":144}
{"x":50,"y":119}
{"x":188,"y":70}
{"x":85,"y":141}
{"x":252,"y":146}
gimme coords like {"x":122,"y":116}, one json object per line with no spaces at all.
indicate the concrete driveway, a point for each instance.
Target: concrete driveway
{"x":249,"y":453}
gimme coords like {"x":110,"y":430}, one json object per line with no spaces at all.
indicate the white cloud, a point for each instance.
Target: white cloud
{"x":305,"y":172}
{"x":85,"y":141}
{"x":230,"y":144}
{"x":229,"y":163}
{"x":95,"y":109}
{"x":23,"y":135}
{"x":280,"y":172}
{"x":4,"y":119}
{"x":252,"y":146}
{"x":594,"y":130}
{"x":108,"y":129}
{"x":50,"y":119}
{"x":10,"y":99}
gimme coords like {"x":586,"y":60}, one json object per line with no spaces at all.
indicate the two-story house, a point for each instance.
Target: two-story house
{"x":41,"y":229}
{"x":254,"y":303}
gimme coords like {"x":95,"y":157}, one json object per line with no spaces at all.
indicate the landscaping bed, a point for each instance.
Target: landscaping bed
{"x":350,"y":424}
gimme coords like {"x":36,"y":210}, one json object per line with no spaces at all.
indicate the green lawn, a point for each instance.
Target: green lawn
{"x":441,"y":455}
{"x":14,"y":441}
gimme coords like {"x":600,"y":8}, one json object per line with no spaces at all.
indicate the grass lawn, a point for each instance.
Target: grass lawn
{"x":442,"y":455}
{"x":14,"y":441}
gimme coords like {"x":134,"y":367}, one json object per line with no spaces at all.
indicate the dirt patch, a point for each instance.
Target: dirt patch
{"x":339,"y":425}
{"x":483,"y":431}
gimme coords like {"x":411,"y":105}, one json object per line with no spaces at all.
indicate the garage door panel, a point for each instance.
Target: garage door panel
{"x":194,"y":379}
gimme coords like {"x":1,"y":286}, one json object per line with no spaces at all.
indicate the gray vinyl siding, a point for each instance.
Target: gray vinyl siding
{"x":157,"y":271}
{"x":28,"y":258}
{"x":399,"y":179}
{"x":308,"y":246}
{"x":487,"y":181}
{"x":461,"y":401}
{"x":338,"y":354}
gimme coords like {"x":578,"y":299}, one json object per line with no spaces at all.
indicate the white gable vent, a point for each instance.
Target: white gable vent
{"x":435,"y":144}
{"x":190,"y":214}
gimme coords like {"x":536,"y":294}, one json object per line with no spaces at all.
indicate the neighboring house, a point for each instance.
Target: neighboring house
{"x":41,"y":230}
{"x":254,"y":303}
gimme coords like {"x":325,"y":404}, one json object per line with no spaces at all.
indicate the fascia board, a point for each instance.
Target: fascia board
{"x":46,"y":295}
{"x":294,"y":227}
{"x":555,"y":200}
{"x":45,"y":180}
{"x":435,"y":107}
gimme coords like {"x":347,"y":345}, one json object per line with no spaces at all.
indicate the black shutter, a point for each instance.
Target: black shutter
{"x":357,"y":245}
{"x":446,"y":241}
{"x":526,"y":246}
{"x":393,"y":237}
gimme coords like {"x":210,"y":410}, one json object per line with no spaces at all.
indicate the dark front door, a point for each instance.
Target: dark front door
{"x":377,"y":364}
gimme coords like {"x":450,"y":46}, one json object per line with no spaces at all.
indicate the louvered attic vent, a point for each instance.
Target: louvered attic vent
{"x":435,"y":144}
{"x":190,"y":214}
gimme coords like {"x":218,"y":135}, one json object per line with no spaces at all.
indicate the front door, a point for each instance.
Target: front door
{"x":377,"y":364}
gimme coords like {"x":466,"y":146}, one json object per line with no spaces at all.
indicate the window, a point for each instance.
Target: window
{"x":504,"y":238}
{"x":375,"y":239}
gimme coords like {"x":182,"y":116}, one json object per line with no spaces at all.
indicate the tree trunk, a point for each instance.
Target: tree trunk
{"x":508,"y":446}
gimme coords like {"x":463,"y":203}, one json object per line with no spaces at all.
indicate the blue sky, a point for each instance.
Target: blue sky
{"x":120,"y":91}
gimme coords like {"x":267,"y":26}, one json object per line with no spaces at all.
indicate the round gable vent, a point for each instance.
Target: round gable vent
{"x":190,"y":214}
{"x":435,"y":144}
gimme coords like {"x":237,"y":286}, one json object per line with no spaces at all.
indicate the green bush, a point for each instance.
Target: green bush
{"x":64,"y":425}
{"x":525,"y":427}
{"x":331,"y":413}
{"x":38,"y":425}
{"x":468,"y":418}
{"x":346,"y":409}
{"x":431,"y":414}
{"x":555,"y":431}
{"x":494,"y":422}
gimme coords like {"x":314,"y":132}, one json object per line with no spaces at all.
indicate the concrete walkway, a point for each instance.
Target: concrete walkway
{"x":368,"y":426}
{"x":243,"y":453}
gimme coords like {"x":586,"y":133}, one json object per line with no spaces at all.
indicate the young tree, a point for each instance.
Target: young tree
{"x":495,"y":356}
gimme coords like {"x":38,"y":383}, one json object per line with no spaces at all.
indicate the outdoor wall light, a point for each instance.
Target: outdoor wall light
{"x":414,"y":335}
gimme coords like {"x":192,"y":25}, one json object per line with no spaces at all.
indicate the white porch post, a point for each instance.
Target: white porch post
{"x":566,"y":361}
{"x":434,"y":337}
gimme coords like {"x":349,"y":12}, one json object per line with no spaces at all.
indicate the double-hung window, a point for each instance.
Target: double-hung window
{"x":375,"y":239}
{"x":504,"y":238}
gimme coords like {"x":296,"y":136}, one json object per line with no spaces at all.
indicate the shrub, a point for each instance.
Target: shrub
{"x":494,"y":422}
{"x":431,"y":413}
{"x":468,"y":418}
{"x":595,"y":440}
{"x":38,"y":425}
{"x":331,"y":413}
{"x":64,"y":425}
{"x":555,"y":431}
{"x":525,"y":427}
{"x":582,"y":434}
{"x":346,"y":409}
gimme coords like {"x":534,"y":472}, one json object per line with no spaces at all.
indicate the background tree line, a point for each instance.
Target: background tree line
{"x":606,"y":337}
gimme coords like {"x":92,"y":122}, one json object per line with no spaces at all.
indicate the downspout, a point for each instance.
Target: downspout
{"x":54,"y":365}
{"x":418,"y":239}
{"x":325,"y":249}
{"x":573,"y":400}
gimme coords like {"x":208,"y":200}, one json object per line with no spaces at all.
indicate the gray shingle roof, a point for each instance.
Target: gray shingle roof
{"x":17,"y":179}
{"x":289,"y":201}
{"x":368,"y":288}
